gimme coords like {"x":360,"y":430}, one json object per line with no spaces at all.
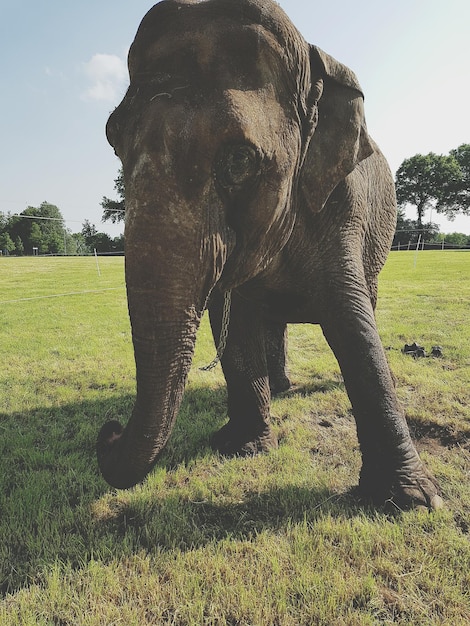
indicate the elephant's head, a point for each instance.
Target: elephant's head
{"x":214,"y":134}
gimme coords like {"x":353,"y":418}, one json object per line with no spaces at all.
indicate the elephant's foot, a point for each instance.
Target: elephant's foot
{"x":403,"y":490}
{"x":233,"y":439}
{"x":279,"y":384}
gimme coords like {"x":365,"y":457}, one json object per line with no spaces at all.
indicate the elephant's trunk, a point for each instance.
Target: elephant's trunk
{"x":162,"y":364}
{"x":174,"y":256}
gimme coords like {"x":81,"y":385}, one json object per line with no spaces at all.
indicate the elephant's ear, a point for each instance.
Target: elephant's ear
{"x":340,"y":140}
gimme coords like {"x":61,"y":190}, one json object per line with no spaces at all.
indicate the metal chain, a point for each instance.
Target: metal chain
{"x":223,"y":332}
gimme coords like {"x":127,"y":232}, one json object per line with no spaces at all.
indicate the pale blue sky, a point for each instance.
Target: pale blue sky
{"x":63,"y":70}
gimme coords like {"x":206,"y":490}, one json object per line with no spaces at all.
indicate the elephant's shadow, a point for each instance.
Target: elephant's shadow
{"x":205,"y":522}
{"x":49,"y":465}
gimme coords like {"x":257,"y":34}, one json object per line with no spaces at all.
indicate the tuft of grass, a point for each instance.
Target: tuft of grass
{"x":276,"y":539}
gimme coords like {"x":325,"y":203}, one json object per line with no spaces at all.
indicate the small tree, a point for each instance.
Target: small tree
{"x":36,"y":239}
{"x":19,"y":246}
{"x":114,"y":210}
{"x":88,"y":231}
{"x":7,"y":245}
{"x":102,"y":242}
{"x":79,"y":243}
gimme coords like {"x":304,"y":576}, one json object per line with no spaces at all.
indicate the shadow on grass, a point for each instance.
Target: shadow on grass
{"x":49,"y":485}
{"x":181,"y":524}
{"x":312,"y":387}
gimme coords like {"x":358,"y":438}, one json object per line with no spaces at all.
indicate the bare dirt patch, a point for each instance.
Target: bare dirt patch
{"x":433,"y":437}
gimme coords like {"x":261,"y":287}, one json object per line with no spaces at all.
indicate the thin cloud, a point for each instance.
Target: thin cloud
{"x":108,"y":77}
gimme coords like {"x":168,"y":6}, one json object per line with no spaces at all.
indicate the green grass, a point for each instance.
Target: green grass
{"x":275,"y":540}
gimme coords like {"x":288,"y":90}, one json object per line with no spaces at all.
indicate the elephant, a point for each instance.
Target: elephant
{"x":249,"y":172}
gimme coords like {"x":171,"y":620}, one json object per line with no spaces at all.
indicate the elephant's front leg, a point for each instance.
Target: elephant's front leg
{"x":392,"y":470}
{"x":245,"y":368}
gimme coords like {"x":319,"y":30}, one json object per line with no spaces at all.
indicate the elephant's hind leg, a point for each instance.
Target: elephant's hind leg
{"x":276,"y":355}
{"x":244,"y":364}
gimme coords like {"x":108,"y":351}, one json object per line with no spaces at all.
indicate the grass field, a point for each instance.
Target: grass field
{"x":273,"y":540}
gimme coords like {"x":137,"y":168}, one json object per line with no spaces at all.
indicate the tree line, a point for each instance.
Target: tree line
{"x":42,"y":230}
{"x":430,"y":181}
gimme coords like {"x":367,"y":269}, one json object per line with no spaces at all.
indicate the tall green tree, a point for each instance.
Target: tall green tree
{"x":36,"y":227}
{"x":435,"y":181}
{"x":52,"y":227}
{"x":460,"y":199}
{"x":114,"y":210}
{"x":419,"y":181}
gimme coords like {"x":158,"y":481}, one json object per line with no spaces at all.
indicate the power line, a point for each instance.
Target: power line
{"x":58,"y":219}
{"x":37,"y":217}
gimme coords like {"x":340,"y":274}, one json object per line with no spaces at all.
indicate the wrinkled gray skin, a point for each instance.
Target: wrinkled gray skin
{"x":248,"y":166}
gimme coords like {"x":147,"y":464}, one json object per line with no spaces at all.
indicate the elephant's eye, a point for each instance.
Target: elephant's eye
{"x":236,"y":167}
